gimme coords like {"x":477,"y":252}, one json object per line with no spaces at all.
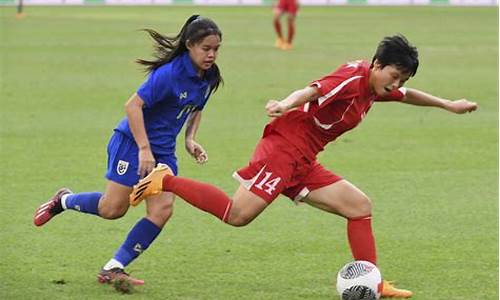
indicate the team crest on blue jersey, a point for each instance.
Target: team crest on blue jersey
{"x":122,"y":167}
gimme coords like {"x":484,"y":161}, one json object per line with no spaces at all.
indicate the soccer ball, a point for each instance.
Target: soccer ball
{"x":359,"y":280}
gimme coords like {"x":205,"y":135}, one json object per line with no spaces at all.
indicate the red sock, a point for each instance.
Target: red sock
{"x":291,"y":31}
{"x":201,"y":195}
{"x":277,"y":28}
{"x":361,"y":240}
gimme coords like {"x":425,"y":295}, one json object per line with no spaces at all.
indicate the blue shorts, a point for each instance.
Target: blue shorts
{"x":123,"y":161}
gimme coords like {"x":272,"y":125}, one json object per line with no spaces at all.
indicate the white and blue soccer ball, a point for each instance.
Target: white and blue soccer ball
{"x":359,"y":280}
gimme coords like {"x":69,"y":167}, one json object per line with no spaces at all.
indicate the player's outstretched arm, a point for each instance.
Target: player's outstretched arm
{"x":420,"y":98}
{"x":278,"y":108}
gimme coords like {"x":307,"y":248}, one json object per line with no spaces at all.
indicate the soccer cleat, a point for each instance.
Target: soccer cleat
{"x":390,"y":291}
{"x":49,"y":209}
{"x":149,"y":185}
{"x":279,"y":43}
{"x":110,"y":276}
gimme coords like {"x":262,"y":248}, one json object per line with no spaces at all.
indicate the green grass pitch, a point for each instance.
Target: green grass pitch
{"x":433,"y":176}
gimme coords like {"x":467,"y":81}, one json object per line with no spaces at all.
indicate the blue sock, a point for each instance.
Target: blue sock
{"x":84,"y":202}
{"x":138,"y":240}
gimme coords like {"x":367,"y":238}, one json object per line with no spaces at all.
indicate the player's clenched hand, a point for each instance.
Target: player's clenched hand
{"x":146,"y":162}
{"x":462,"y":106}
{"x":275,"y":108}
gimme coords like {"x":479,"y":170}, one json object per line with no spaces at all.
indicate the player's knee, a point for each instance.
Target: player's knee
{"x":239,"y":220}
{"x":363,"y":207}
{"x":112,"y":210}
{"x":111,"y":213}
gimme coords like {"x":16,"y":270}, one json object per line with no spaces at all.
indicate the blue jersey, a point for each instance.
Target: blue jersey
{"x":170,"y":94}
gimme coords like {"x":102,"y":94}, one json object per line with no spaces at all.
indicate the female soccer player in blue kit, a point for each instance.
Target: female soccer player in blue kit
{"x":181,"y":78}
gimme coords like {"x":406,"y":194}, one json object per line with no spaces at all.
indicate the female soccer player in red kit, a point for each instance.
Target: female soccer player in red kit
{"x":284,"y":161}
{"x":290,"y":8}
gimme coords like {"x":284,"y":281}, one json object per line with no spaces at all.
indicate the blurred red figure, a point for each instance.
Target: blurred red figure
{"x":290,"y":8}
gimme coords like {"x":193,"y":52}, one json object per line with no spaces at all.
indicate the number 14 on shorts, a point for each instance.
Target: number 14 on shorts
{"x":268,"y":184}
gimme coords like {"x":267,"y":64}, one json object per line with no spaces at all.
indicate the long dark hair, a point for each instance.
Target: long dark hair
{"x":396,"y":50}
{"x":167,"y":48}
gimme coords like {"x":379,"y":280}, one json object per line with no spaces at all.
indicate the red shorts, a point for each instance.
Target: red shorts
{"x":288,"y":6}
{"x":277,"y":167}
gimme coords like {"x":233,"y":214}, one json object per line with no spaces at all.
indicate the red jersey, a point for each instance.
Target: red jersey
{"x":345,"y":99}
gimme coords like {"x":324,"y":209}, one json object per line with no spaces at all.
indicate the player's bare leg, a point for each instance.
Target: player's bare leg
{"x":245,"y":208}
{"x":345,"y":199}
{"x":341,"y":198}
{"x":159,"y":210}
{"x":113,"y":203}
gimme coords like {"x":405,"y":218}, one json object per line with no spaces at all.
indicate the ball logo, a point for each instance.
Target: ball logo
{"x":358,"y":293}
{"x":122,"y":167}
{"x":355,"y":270}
